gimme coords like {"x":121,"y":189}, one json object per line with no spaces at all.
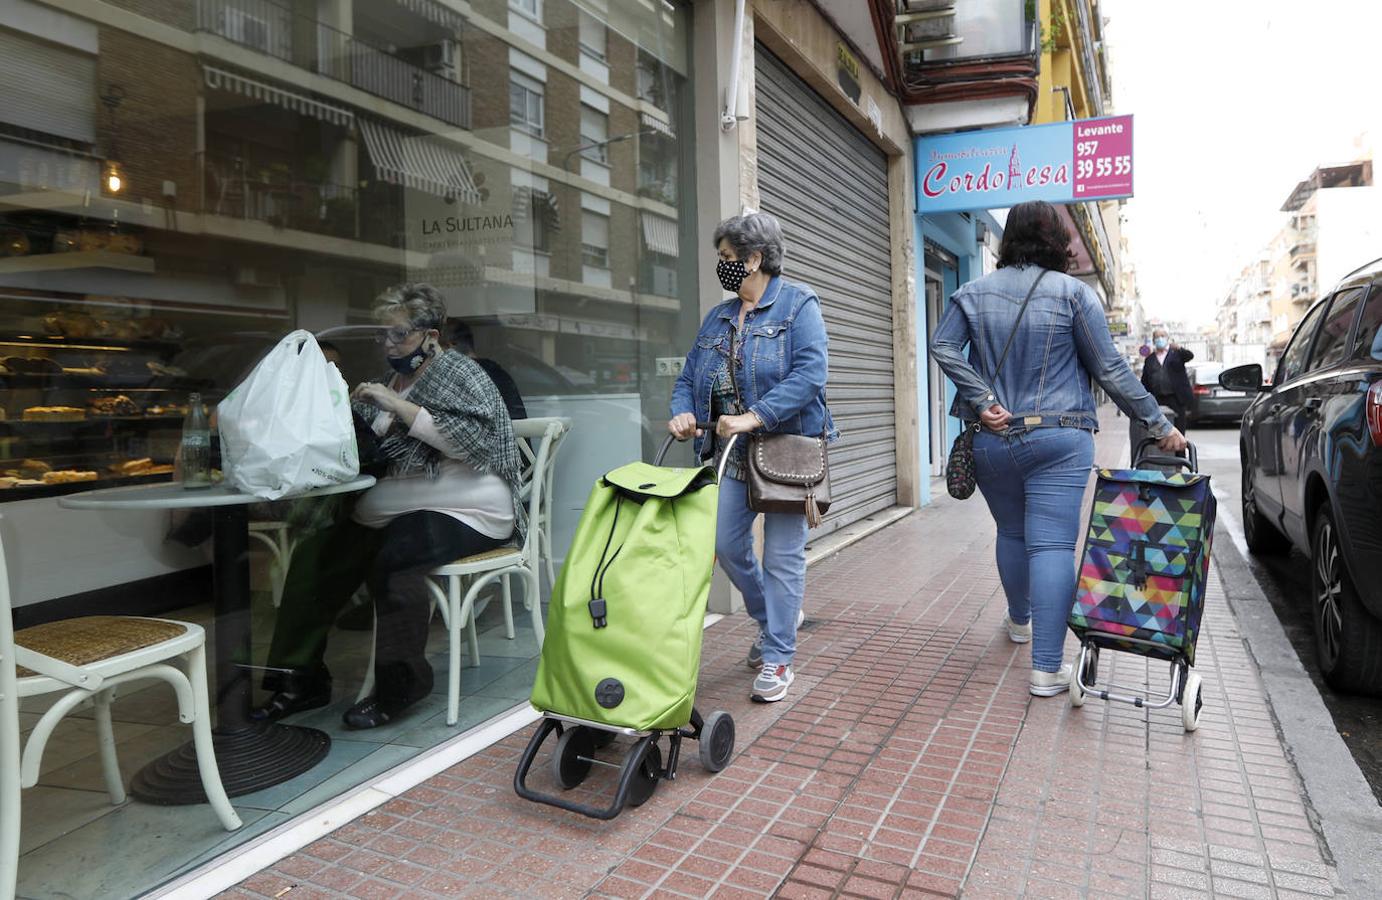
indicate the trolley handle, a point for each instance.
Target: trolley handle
{"x":705,"y":427}
{"x":1140,"y":457}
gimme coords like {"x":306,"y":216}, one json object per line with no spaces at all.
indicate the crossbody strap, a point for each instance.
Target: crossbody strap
{"x":734,"y":382}
{"x":1016,"y":325}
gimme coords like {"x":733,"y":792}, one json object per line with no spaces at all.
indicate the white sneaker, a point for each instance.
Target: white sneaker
{"x":1049,"y":684}
{"x":771,"y":684}
{"x":1018,"y":634}
{"x":755,"y":658}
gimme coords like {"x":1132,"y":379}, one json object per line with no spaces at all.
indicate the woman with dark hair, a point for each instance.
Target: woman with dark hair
{"x":1034,"y":452}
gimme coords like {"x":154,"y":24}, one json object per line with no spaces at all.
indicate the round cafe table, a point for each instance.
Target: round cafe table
{"x":251,"y":755}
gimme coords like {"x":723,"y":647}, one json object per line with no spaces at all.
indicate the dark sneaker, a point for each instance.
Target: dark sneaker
{"x":755,"y":659}
{"x":771,"y":684}
{"x":285,"y":703}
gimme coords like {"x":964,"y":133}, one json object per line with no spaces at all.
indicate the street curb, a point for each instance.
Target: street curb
{"x":1342,"y":807}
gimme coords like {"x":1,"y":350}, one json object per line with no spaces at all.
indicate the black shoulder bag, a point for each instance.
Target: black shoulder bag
{"x":960,"y":476}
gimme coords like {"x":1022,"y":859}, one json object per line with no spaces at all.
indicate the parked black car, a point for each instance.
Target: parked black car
{"x":1209,"y":401}
{"x":1311,"y":446}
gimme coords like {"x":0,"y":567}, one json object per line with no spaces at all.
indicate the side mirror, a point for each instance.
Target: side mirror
{"x":1243,"y":378}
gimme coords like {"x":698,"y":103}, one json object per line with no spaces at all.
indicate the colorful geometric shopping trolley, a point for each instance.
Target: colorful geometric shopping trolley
{"x":1142,"y":578}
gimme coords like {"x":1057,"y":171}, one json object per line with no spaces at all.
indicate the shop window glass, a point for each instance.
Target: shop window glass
{"x":1332,"y":343}
{"x":162,"y":234}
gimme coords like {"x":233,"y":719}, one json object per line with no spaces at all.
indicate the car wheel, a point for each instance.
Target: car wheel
{"x":1261,"y":536}
{"x":1348,"y":639}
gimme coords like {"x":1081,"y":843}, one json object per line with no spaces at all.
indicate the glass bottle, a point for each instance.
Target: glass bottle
{"x":196,"y":446}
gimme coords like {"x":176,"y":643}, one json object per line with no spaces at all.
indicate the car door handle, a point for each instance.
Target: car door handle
{"x":1276,"y":408}
{"x":1314,"y":402}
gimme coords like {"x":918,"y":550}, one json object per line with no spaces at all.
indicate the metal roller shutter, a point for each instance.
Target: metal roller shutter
{"x":47,"y":88}
{"x":828,"y":184}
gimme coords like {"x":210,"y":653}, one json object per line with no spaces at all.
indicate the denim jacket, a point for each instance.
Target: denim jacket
{"x":785,"y":358}
{"x":1063,"y":342}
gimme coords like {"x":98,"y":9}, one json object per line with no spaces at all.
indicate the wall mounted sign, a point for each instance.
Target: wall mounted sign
{"x":847,"y":72}
{"x":1064,"y":162}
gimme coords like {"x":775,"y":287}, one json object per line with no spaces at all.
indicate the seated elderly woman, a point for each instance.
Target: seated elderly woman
{"x":451,"y":490}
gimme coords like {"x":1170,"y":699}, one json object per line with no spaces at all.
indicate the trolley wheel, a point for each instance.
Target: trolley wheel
{"x":646,"y":776}
{"x":571,"y":762}
{"x":1092,"y":670}
{"x":1192,"y":701}
{"x":717,"y":741}
{"x":1077,"y":685}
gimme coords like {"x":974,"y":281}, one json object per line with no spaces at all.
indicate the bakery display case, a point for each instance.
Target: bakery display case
{"x":93,"y":391}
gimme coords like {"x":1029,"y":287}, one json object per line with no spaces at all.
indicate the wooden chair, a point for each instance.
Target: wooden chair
{"x":84,"y":660}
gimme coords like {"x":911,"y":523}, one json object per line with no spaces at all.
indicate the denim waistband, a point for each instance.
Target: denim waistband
{"x":1020,"y":424}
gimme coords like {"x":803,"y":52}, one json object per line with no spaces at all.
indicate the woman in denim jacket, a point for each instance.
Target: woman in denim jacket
{"x":1035,"y":450}
{"x":780,"y":367}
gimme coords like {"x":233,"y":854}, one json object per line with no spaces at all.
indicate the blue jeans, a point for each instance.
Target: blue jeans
{"x":1033,"y":484}
{"x":772,"y":591}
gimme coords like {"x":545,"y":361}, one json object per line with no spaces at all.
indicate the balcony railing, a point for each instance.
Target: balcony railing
{"x":346,"y":58}
{"x":266,"y":27}
{"x":260,"y":25}
{"x":275,"y":195}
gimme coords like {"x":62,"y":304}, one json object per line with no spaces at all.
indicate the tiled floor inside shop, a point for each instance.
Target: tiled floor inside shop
{"x":75,"y":844}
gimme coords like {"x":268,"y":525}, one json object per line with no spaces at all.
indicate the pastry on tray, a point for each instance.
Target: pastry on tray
{"x":158,"y":368}
{"x":69,"y":476}
{"x":12,"y":481}
{"x":30,"y":468}
{"x":133,"y":467}
{"x":119,"y":405}
{"x":54,"y":414}
{"x":31,"y":365}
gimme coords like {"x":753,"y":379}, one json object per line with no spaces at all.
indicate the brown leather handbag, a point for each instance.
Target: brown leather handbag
{"x":787,"y":473}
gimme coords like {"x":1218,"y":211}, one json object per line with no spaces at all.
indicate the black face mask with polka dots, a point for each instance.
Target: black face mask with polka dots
{"x":732,"y":273}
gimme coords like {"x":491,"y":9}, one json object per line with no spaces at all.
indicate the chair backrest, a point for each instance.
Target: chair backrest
{"x":7,"y":662}
{"x":536,"y":438}
{"x":9,"y":739}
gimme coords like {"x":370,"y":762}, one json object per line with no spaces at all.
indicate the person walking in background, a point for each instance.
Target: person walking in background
{"x":778,"y":325}
{"x":1034,"y":452}
{"x":1164,"y":375}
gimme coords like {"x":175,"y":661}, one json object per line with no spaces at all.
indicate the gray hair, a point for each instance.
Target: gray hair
{"x":419,"y":302}
{"x":753,"y":232}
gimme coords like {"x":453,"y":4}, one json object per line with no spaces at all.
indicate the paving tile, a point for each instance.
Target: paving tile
{"x":909,"y":762}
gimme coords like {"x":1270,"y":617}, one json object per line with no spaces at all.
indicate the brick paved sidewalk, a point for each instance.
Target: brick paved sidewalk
{"x":908,"y":761}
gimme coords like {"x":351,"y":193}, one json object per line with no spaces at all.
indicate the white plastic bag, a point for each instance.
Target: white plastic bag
{"x":287,"y":427}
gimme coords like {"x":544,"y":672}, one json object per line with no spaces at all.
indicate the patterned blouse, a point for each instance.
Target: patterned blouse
{"x":724,"y":403}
